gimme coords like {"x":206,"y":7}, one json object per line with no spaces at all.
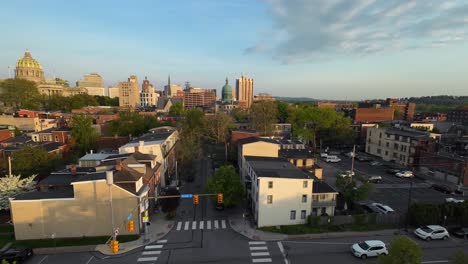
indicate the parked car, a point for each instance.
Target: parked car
{"x":332,"y":158}
{"x":347,"y":173}
{"x":461,"y":232}
{"x":375,"y":179}
{"x":16,"y":254}
{"x":349,"y":154}
{"x":393,"y":171}
{"x":375,"y":163}
{"x":369,"y":248}
{"x":362,"y":158}
{"x":383,"y":209}
{"x":454,"y":200}
{"x":442,"y":188}
{"x":219,"y":206}
{"x":430,"y":232}
{"x":323,"y":155}
{"x":404,"y":174}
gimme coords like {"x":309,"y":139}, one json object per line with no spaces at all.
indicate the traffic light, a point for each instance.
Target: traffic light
{"x":220,"y":198}
{"x":114,"y":246}
{"x":195,"y":199}
{"x":130,"y":226}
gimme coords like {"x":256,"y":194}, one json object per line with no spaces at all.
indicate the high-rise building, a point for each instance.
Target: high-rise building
{"x":200,"y":97}
{"x":129,"y":93}
{"x":244,"y":91}
{"x":29,"y":69}
{"x":148,"y":97}
{"x":226,"y":93}
{"x":93,"y":83}
{"x":404,"y":110}
{"x":113,"y":91}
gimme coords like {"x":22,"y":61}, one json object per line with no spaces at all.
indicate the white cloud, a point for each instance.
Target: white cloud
{"x":311,"y":30}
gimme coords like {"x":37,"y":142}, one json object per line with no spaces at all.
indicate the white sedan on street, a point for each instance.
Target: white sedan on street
{"x":404,"y":174}
{"x":369,"y":248}
{"x":430,"y":232}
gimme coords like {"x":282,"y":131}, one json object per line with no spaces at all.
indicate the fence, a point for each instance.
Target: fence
{"x":394,"y":219}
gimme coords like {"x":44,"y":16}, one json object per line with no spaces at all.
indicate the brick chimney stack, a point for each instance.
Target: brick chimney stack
{"x":73,"y":169}
{"x":118,"y":165}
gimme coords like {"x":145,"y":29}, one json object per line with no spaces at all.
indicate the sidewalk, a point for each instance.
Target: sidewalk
{"x":159,"y":228}
{"x":246,"y":229}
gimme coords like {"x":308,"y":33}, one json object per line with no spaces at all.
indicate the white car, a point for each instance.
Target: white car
{"x":383,"y":209}
{"x":347,"y":173}
{"x":369,"y":248}
{"x":332,"y":159}
{"x":453,"y":200}
{"x":404,"y":174}
{"x":430,"y":232}
{"x":323,"y":155}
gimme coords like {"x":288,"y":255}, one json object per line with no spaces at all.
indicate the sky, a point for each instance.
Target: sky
{"x":323,"y":49}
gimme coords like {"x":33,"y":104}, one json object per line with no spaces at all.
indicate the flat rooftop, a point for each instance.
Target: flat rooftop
{"x":275,"y":168}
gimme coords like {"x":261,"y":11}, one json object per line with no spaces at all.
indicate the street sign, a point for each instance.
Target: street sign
{"x":186,"y":195}
{"x":130,"y":215}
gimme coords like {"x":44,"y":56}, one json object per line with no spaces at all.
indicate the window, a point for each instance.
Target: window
{"x":379,"y":151}
{"x":323,"y":196}
{"x":395,"y":146}
{"x":386,"y":153}
{"x":305,"y":184}
{"x":56,"y":138}
{"x":269,"y":199}
{"x":380,"y":136}
{"x":387,"y":144}
{"x":395,"y":155}
{"x":292,"y":215}
{"x":315,"y":197}
{"x":303,"y":214}
{"x":270,"y":184}
{"x":304,"y":198}
{"x":380,"y":143}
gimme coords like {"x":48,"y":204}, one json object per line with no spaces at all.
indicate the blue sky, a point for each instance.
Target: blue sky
{"x":335,"y":49}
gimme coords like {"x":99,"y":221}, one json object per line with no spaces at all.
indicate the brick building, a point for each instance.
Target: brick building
{"x":370,"y":115}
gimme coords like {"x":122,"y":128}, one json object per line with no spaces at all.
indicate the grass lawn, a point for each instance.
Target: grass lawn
{"x":6,"y":228}
{"x":305,"y":229}
{"x":63,"y":242}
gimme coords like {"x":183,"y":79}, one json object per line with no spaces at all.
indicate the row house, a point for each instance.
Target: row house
{"x":56,"y":134}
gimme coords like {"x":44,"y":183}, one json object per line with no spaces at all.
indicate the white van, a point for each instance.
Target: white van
{"x":331,"y":158}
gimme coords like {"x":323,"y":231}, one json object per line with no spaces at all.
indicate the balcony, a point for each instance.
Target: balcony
{"x":324,"y":203}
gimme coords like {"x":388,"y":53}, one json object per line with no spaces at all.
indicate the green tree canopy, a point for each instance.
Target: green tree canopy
{"x":227,"y":182}
{"x":107,"y":101}
{"x":33,"y":160}
{"x":19,"y":93}
{"x":193,"y":124}
{"x":352,"y":193}
{"x":402,"y":251}
{"x":132,"y":123}
{"x":219,"y":127}
{"x":263,"y":115}
{"x":240,"y":115}
{"x":83,"y":132}
{"x":176,"y":109}
{"x":283,"y":113}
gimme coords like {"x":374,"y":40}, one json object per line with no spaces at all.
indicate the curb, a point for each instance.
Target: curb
{"x":56,"y":250}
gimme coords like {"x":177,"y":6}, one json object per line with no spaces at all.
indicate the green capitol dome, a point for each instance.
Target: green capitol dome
{"x":226,"y":92}
{"x":28,"y":68}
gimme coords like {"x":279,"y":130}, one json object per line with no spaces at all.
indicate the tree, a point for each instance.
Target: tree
{"x":13,"y":185}
{"x":352,"y":193}
{"x":83,"y":132}
{"x":240,"y":115}
{"x":227,"y":182}
{"x":33,"y":160}
{"x":193,"y":124}
{"x":402,"y":251}
{"x":107,"y":101}
{"x":176,"y":109}
{"x":169,"y":205}
{"x":19,"y":93}
{"x":282,"y":111}
{"x":263,"y":115}
{"x":219,"y":127}
{"x":459,"y":257}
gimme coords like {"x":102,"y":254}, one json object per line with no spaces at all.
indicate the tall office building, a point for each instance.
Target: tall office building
{"x":148,"y":96}
{"x":93,"y":84}
{"x":129,"y":93}
{"x":200,"y":97}
{"x":244,"y":92}
{"x":113,"y":91}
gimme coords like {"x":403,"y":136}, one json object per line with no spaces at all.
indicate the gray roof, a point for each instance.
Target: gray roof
{"x":406,"y":132}
{"x":37,"y":195}
{"x":152,"y":137}
{"x":19,"y":139}
{"x":50,"y":130}
{"x":275,"y":167}
{"x":256,"y":139}
{"x":296,"y":153}
{"x":320,"y":186}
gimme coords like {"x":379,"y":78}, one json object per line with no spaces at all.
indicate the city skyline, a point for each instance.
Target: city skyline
{"x":339,"y":50}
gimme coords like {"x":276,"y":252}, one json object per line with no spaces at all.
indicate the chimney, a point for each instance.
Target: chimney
{"x":91,"y":151}
{"x":118,"y":165}
{"x":73,"y":169}
{"x":137,"y":148}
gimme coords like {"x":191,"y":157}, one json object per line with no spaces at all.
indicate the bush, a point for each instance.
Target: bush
{"x":313,"y":220}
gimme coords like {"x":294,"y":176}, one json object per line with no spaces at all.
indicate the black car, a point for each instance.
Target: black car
{"x":219,"y":207}
{"x":362,"y":158}
{"x":461,"y":232}
{"x":16,"y":254}
{"x":442,"y":188}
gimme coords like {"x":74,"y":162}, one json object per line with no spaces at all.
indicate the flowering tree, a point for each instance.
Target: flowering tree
{"x":13,"y":185}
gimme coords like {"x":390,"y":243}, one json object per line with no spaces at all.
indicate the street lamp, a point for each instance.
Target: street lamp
{"x":110,"y":182}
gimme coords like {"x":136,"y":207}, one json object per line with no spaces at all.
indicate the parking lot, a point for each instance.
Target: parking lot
{"x":392,"y":191}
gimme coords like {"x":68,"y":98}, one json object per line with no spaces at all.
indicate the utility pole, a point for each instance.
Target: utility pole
{"x":352,"y":158}
{"x":9,"y":165}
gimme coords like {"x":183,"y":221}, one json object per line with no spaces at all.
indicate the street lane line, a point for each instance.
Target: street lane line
{"x":208,"y":223}
{"x":186,"y":225}
{"x":194,"y":225}
{"x":151,"y":252}
{"x":179,"y":226}
{"x":281,"y":248}
{"x":260,"y":254}
{"x":258,"y":248}
{"x":147,"y":259}
{"x":201,"y":225}
{"x":257,"y":242}
{"x":436,"y":261}
{"x":223,"y":224}
{"x":153,"y":246}
{"x":263,"y":260}
{"x":44,"y":258}
{"x":216,"y":225}
{"x":89,"y":260}
{"x":164,"y":241}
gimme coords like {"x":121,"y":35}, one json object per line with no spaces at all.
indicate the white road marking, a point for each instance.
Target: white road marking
{"x":262,"y":260}
{"x":216,"y":225}
{"x":281,"y":248}
{"x":179,"y":226}
{"x":257,"y":242}
{"x":153,"y":246}
{"x":258,"y":248}
{"x":164,"y":241}
{"x":436,"y":261}
{"x":201,"y":224}
{"x":260,"y":254}
{"x":186,"y":225}
{"x":151,"y":252}
{"x":223,"y":224}
{"x":147,"y":259}
{"x":44,"y":258}
{"x":208,"y":223}
{"x":194,"y":225}
{"x":89,"y":260}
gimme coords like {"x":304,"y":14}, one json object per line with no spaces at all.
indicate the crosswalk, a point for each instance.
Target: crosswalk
{"x":201,"y":225}
{"x":259,"y":252}
{"x":151,"y":252}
